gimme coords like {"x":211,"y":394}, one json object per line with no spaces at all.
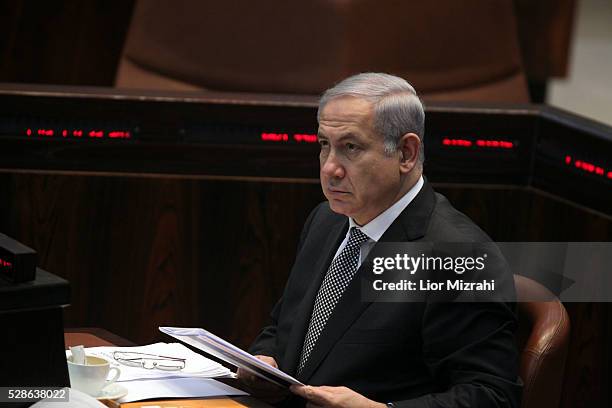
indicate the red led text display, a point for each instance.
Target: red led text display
{"x":77,"y":133}
{"x":5,"y":264}
{"x":288,"y":137}
{"x":588,"y":167}
{"x":488,"y":144}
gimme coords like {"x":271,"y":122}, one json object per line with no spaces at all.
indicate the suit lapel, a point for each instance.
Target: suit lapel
{"x":409,"y":226}
{"x":412,"y":223}
{"x":302,"y":317}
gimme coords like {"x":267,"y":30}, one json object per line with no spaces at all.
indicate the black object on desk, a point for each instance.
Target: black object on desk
{"x":17,"y":261}
{"x":32,"y":341}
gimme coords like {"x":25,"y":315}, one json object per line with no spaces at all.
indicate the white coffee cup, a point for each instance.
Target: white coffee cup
{"x":92,"y":377}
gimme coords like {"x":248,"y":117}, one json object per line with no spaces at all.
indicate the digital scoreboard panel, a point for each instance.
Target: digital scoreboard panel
{"x":263,"y":136}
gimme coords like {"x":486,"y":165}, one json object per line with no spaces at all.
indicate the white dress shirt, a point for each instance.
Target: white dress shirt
{"x":377,"y":227}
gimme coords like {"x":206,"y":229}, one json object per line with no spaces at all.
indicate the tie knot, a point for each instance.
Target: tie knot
{"x":356,"y":237}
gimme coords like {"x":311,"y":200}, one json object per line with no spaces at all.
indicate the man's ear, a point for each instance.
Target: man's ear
{"x":409,"y":145}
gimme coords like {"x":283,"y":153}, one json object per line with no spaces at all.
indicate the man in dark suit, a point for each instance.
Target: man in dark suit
{"x":355,"y":353}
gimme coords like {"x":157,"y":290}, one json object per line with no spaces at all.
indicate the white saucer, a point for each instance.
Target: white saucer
{"x":112,"y":392}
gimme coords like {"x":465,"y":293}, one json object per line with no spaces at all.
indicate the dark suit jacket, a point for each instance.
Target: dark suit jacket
{"x":413,"y":354}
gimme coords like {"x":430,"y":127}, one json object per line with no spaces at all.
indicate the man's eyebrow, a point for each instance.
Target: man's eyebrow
{"x":341,"y":138}
{"x":349,"y":135}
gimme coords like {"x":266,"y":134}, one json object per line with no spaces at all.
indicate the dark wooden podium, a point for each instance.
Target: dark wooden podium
{"x":32,"y":340}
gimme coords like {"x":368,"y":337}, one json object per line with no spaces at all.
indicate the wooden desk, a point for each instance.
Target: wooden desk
{"x":93,"y":337}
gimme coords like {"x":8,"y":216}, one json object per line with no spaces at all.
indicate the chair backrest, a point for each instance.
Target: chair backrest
{"x":543,"y":338}
{"x":448,"y":49}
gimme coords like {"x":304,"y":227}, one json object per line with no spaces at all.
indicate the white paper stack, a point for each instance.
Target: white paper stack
{"x":225,"y":351}
{"x":177,"y":388}
{"x":196,"y":365}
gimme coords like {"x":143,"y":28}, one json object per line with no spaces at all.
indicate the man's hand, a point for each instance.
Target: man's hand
{"x":260,"y":388}
{"x":333,"y":397}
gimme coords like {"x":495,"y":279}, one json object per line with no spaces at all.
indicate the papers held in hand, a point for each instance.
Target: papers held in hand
{"x":217,"y":347}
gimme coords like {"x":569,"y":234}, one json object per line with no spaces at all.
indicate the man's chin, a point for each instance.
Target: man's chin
{"x":340,"y":207}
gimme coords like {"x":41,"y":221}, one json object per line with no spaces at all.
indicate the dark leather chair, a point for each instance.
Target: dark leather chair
{"x":449,"y":50}
{"x":543,"y":339}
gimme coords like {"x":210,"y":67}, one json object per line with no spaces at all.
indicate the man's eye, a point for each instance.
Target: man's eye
{"x":323,"y":143}
{"x":351,"y":147}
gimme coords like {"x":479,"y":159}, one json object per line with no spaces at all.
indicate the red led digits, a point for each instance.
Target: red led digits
{"x":44,"y":132}
{"x":498,"y":144}
{"x":5,"y":263}
{"x":78,"y":133}
{"x":298,"y":137}
{"x":119,"y":134}
{"x":587,"y":167}
{"x":484,"y":143}
{"x":274,"y":137}
{"x":456,"y":142}
{"x":284,"y":137}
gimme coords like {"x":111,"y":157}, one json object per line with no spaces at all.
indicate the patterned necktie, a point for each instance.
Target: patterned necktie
{"x":339,"y":275}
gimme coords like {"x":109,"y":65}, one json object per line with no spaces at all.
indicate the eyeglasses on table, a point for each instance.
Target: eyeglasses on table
{"x":149,"y":361}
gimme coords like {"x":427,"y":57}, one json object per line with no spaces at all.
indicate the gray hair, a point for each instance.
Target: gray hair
{"x":397,"y":108}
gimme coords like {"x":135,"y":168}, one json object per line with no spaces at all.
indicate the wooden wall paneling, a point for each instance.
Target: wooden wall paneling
{"x":154,"y":265}
{"x":260,"y":225}
{"x":145,"y":252}
{"x":125,"y":244}
{"x":517,"y":214}
{"x":556,"y":220}
{"x":497,"y":210}
{"x":55,"y":216}
{"x":45,"y":214}
{"x":587,"y":369}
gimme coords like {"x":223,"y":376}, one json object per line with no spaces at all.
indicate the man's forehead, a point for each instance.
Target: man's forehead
{"x":347,"y":109}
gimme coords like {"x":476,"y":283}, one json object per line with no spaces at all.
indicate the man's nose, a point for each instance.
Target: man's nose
{"x":332,"y":167}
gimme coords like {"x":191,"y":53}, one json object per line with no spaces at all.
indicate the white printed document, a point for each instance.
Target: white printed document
{"x":217,"y":347}
{"x":177,"y":388}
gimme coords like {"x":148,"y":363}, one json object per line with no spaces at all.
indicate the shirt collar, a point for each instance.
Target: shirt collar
{"x":377,"y":227}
